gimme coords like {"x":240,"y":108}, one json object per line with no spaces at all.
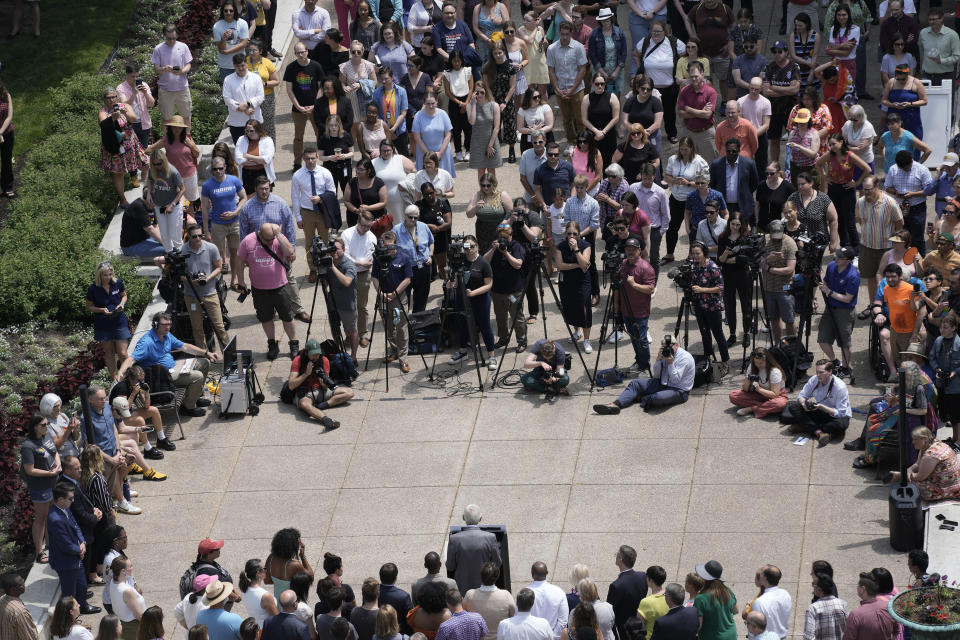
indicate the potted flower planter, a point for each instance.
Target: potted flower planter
{"x":931,"y":613}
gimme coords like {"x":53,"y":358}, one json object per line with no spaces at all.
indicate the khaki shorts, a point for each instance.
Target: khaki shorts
{"x":229,"y":233}
{"x":870,"y":262}
{"x":174,"y":102}
{"x":898,"y":342}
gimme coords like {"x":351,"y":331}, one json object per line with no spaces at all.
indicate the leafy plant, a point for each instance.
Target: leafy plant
{"x":936,"y":605}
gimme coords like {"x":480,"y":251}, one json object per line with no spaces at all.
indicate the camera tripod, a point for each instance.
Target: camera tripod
{"x":805,"y":311}
{"x":758,"y":314}
{"x":612,"y":312}
{"x":323,"y":285}
{"x":178,"y":274}
{"x":538,"y":271}
{"x":460,"y":288}
{"x":384,"y":311}
{"x":683,"y":315}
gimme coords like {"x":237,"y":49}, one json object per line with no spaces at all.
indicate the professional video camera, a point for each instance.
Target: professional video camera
{"x":682,"y":274}
{"x":749,"y":250}
{"x":176,"y":260}
{"x":383,"y":254}
{"x":322,"y":254}
{"x":810,"y":250}
{"x":456,"y":254}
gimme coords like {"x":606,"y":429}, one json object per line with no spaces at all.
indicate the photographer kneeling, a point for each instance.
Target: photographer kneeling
{"x":547,"y":361}
{"x":762,"y":392}
{"x":672,"y":380}
{"x":342,"y":275}
{"x":310,"y":387}
{"x":822,"y":409}
{"x":506,"y":257}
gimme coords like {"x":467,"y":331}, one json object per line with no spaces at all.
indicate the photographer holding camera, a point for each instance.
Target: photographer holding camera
{"x":636,"y":293}
{"x":393,"y":274}
{"x":673,"y":374}
{"x":840,"y":287}
{"x":527,"y":226}
{"x":735,"y":255}
{"x":310,"y":387}
{"x":477,"y":282}
{"x":779,"y":263}
{"x":547,"y":362}
{"x":506,"y":263}
{"x":762,"y":392}
{"x":203,"y":267}
{"x":342,"y":275}
{"x":823,"y":407}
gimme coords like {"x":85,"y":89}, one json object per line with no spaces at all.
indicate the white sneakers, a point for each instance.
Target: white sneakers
{"x":587,"y":347}
{"x":129,"y":509}
{"x":492,"y":363}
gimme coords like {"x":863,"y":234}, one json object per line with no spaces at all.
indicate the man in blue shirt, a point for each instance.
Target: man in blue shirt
{"x":671,"y":383}
{"x":451,"y":34}
{"x":221,"y":624}
{"x":416,"y":241}
{"x":221,"y":198}
{"x":392,"y":280}
{"x":822,"y":410}
{"x":552,"y":174}
{"x":155,"y":347}
{"x":840,"y":286}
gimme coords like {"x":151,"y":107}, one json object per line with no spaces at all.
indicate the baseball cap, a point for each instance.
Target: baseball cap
{"x":950,"y":160}
{"x":779,"y":44}
{"x":122,"y":406}
{"x":209,"y":544}
{"x":632,"y":242}
{"x":844,"y":253}
{"x":313,"y":347}
{"x":775,"y":227}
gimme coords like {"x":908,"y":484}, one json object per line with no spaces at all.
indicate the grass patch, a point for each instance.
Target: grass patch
{"x":74,"y":37}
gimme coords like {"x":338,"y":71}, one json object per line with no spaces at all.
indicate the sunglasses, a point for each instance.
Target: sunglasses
{"x":196,"y":235}
{"x":553,"y":155}
{"x":777,"y":50}
{"x":509,"y":33}
{"x":218,"y":168}
{"x":536,"y":96}
{"x":486,"y":185}
{"x":572,"y":234}
{"x":599,"y":84}
{"x":645,"y":89}
{"x":770,"y":173}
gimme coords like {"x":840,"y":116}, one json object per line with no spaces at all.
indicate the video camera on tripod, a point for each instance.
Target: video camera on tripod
{"x":322,"y":254}
{"x":749,"y":250}
{"x":810,"y":250}
{"x":456,"y":254}
{"x":682,"y":275}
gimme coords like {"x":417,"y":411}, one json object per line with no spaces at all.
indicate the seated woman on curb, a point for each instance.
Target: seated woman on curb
{"x":309,"y":372}
{"x":762,"y":392}
{"x":937,"y":469}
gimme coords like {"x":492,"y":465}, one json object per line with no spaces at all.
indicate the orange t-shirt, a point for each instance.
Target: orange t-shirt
{"x":902,"y":316}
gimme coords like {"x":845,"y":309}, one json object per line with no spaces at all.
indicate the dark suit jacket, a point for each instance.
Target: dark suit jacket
{"x":399,"y":600}
{"x":680,"y":623}
{"x":81,"y":508}
{"x":284,"y":626}
{"x":65,"y":539}
{"x":467,"y":550}
{"x":625,"y":594}
{"x":747,"y":182}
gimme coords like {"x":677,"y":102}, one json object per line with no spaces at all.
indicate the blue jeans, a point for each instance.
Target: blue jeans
{"x":148,"y":248}
{"x":533,"y":381}
{"x":637,"y":329}
{"x":649,"y":392}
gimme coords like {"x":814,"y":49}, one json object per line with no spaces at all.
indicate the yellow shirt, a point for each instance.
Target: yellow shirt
{"x":682,"y":67}
{"x":651,"y":608}
{"x":263,"y":69}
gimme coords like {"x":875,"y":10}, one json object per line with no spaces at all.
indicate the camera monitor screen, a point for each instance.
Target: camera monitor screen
{"x":230,"y":355}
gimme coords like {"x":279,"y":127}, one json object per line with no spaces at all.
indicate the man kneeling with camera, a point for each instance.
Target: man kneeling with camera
{"x":310,"y":387}
{"x":673,"y":373}
{"x":548,"y":363}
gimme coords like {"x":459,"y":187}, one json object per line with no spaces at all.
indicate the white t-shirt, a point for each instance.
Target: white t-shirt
{"x":755,"y":110}
{"x":853,"y":35}
{"x":77,"y":632}
{"x":459,"y":80}
{"x":557,"y":221}
{"x":768,"y":379}
{"x":359,"y":247}
{"x":854,"y":138}
{"x":658,"y":63}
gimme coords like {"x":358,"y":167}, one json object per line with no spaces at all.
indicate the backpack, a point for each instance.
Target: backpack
{"x":186,"y":580}
{"x":783,"y":354}
{"x":646,"y":44}
{"x":703,"y":371}
{"x":343,"y":370}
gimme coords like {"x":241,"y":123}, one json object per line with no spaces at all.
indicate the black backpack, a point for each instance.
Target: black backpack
{"x":784,"y":353}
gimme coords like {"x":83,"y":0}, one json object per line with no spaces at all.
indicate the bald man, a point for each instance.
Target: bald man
{"x":469,"y":548}
{"x":736,"y":126}
{"x":551,"y":601}
{"x":285,"y":625}
{"x":757,"y":108}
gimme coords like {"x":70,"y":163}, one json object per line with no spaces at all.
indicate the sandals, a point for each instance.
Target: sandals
{"x":42,"y":558}
{"x":10,"y":194}
{"x":236,"y":288}
{"x":861,"y":462}
{"x":97,"y":581}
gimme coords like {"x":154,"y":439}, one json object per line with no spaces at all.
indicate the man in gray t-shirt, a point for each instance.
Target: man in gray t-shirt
{"x":202,"y":256}
{"x":342,"y":276}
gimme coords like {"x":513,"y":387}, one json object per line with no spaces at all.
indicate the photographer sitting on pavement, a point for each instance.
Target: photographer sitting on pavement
{"x":342,"y":275}
{"x":155,"y":347}
{"x":778,"y":266}
{"x":393,"y":277}
{"x":548,"y":374}
{"x":202,"y":259}
{"x":139,"y":233}
{"x":506,"y":257}
{"x":260,"y":251}
{"x":636,"y":292}
{"x":839,"y":286}
{"x":822,"y":410}
{"x":310,"y":387}
{"x":673,"y":373}
{"x":762,"y":392}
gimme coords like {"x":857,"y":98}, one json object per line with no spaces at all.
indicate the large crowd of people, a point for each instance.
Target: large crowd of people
{"x":776,"y":166}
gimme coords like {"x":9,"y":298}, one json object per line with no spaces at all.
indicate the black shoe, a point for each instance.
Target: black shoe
{"x":512,"y":158}
{"x":203,"y":402}
{"x":273,"y":349}
{"x":732,"y":340}
{"x":521,"y":346}
{"x":166,"y":444}
{"x":90,"y":611}
{"x":606,"y":409}
{"x":294,"y":348}
{"x":854,"y":445}
{"x":89,"y":594}
{"x":329,"y":423}
{"x":196,"y":412}
{"x":499,"y":344}
{"x":153,"y":454}
{"x":276,"y":54}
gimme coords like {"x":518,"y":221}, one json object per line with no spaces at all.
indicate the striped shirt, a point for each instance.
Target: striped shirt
{"x":877,"y":220}
{"x":916,"y":178}
{"x":585,"y":212}
{"x":653,"y":202}
{"x":607,"y":212}
{"x":274,"y":210}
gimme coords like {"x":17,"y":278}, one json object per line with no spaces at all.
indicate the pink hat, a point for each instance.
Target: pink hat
{"x":201,"y":581}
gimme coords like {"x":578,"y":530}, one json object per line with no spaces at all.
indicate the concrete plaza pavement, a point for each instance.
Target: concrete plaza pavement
{"x":683,"y":486}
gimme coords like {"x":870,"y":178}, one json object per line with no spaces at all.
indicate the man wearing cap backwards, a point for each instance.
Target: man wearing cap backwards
{"x":779,"y":263}
{"x":945,"y":259}
{"x":822,"y":410}
{"x":943,"y":187}
{"x":839,"y":287}
{"x":220,"y":623}
{"x":781,"y":83}
{"x":313,"y":390}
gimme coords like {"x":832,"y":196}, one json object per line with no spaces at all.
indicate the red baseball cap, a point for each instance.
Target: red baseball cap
{"x":209,"y":544}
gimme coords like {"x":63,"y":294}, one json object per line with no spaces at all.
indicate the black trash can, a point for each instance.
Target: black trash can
{"x":906,"y":517}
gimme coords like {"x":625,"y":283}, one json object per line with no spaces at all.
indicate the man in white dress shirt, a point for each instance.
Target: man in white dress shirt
{"x":551,"y":602}
{"x":310,"y":24}
{"x":359,"y":243}
{"x":525,"y":625}
{"x":775,"y":602}
{"x":307,"y":185}
{"x":243,"y":95}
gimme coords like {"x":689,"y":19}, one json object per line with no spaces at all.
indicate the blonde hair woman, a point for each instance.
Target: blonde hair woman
{"x":106,"y":300}
{"x":336,"y":150}
{"x":490,"y":205}
{"x":163,"y":193}
{"x":577,"y":573}
{"x":483,"y":114}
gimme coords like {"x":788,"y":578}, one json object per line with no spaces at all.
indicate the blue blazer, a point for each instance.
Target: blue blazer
{"x":747,"y":182}
{"x":625,"y":594}
{"x":65,"y":539}
{"x":680,"y":623}
{"x":284,"y":626}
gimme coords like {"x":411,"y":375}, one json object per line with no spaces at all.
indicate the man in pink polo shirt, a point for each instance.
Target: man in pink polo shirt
{"x":266,"y":252}
{"x":696,"y":105}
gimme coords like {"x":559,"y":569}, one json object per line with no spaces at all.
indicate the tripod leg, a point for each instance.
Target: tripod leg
{"x":515,"y":309}
{"x":373,"y":325}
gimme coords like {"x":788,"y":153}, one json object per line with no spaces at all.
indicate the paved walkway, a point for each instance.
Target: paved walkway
{"x":683,"y":486}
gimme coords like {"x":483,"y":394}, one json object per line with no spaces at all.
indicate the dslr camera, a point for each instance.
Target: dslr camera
{"x":199,"y":276}
{"x":176,"y":260}
{"x":753,"y":378}
{"x":501,"y":245}
{"x":666,"y":351}
{"x":322,"y":254}
{"x":456,"y":254}
{"x":523,"y":218}
{"x":810,"y":404}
